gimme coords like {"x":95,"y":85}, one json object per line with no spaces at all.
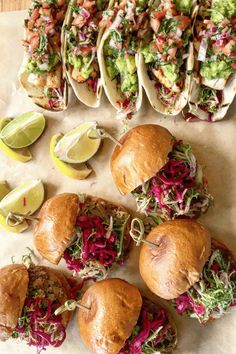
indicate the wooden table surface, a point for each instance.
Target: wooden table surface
{"x":12,"y":5}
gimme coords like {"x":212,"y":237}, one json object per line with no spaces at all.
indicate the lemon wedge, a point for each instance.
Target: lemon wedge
{"x":77,"y":146}
{"x":25,"y":199}
{"x":4,"y":190}
{"x":23,"y":131}
{"x":78,"y":171}
{"x":20,"y":155}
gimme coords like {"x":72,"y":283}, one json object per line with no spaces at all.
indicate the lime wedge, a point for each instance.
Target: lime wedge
{"x":25,"y":199}
{"x":16,"y":229}
{"x":78,"y":171}
{"x":76,"y":146}
{"x":24,"y":130}
{"x":4,"y":189}
{"x":21,"y":155}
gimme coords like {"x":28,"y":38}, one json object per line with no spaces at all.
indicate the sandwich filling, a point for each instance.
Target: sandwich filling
{"x":43,"y":47}
{"x":153,"y":332}
{"x":177,"y":190}
{"x":166,"y":53}
{"x":81,"y":39}
{"x":215,"y":292}
{"x":38,"y":325}
{"x":101,"y":238}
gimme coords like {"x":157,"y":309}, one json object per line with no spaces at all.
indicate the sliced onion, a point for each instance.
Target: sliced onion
{"x":202,"y":50}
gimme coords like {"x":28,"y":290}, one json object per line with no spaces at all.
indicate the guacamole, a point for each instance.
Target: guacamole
{"x":122,"y":65}
{"x":222,"y":9}
{"x":217,"y":69}
{"x":37,"y":67}
{"x":184,"y":5}
{"x":170,"y":71}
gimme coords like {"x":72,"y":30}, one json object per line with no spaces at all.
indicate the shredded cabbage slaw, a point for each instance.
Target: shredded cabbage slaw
{"x":153,"y":332}
{"x":215,"y":292}
{"x":100,"y":241}
{"x":177,"y":190}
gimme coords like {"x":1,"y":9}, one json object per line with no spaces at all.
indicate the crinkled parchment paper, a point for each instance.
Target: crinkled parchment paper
{"x":213,"y":143}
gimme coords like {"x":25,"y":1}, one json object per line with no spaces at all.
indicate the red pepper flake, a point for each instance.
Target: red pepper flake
{"x":24,"y":201}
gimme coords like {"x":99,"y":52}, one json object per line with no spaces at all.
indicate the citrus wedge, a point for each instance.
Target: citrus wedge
{"x":4,"y":189}
{"x":78,"y":171}
{"x":76,"y":146}
{"x":21,"y":155}
{"x":16,"y":229}
{"x":25,"y":199}
{"x":24,"y":130}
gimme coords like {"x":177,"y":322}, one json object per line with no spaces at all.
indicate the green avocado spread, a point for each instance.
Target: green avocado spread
{"x":223,"y":9}
{"x":218,"y":69}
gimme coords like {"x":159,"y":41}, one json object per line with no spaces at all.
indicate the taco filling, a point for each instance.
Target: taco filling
{"x":153,"y":332}
{"x":43,"y":47}
{"x":81,"y":41}
{"x":167,"y":51}
{"x":101,"y":241}
{"x":127,"y":21}
{"x":215,"y":292}
{"x":177,"y":190}
{"x":215,"y":43}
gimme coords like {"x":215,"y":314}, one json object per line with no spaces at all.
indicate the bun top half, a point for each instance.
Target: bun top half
{"x":143,"y":153}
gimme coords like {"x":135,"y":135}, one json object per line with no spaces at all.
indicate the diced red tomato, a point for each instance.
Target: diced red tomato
{"x":183,"y":22}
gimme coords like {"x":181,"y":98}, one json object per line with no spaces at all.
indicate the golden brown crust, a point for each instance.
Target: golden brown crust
{"x":62,"y":296}
{"x":144,"y":152}
{"x":54,"y":230}
{"x":115,"y":307}
{"x":183,"y":249}
{"x":14,"y":281}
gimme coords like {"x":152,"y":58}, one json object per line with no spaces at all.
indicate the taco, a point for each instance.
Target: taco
{"x":118,"y":57}
{"x":167,"y":55}
{"x":81,"y":37}
{"x":41,"y":73}
{"x":214,"y":78}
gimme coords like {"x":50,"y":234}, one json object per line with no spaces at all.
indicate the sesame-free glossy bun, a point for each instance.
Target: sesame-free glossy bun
{"x":115,"y":306}
{"x":171,"y":268}
{"x":14,"y":281}
{"x":144,"y":152}
{"x":55,"y":228}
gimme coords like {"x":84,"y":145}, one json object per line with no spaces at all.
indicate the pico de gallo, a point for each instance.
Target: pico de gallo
{"x":128,"y":22}
{"x":43,"y":48}
{"x":168,"y":50}
{"x":82,"y":40}
{"x":215,"y":43}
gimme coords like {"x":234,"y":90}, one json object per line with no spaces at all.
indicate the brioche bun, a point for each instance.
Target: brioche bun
{"x":144,"y":152}
{"x":57,"y":218}
{"x":14,"y":282}
{"x":55,"y":228}
{"x":184,"y":246}
{"x":115,"y":306}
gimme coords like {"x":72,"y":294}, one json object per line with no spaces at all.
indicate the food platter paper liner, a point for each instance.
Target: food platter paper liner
{"x":213,"y":144}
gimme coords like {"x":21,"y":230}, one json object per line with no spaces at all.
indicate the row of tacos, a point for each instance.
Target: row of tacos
{"x":182,"y":52}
